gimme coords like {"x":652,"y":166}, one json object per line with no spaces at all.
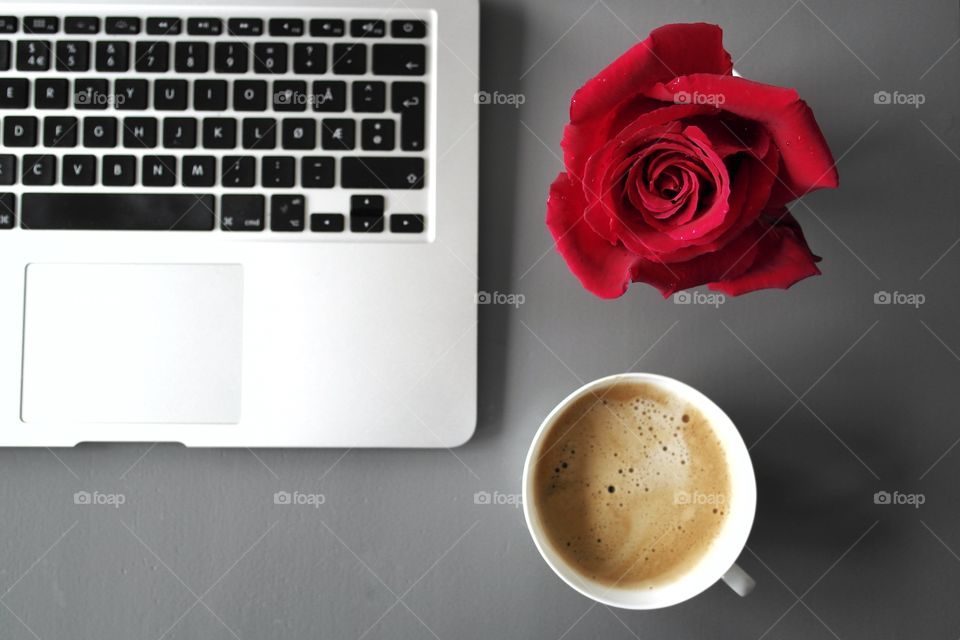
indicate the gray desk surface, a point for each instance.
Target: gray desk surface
{"x":839,"y":397}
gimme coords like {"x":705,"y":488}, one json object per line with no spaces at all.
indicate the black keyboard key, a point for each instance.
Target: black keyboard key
{"x":290,"y":95}
{"x":39,"y":171}
{"x":286,"y":27}
{"x":113,"y":56}
{"x":399,"y":59}
{"x":299,"y":133}
{"x":51,"y":93}
{"x":238,"y":171}
{"x":250,"y":95}
{"x":14,"y":93}
{"x":123,"y":26}
{"x":33,"y":55}
{"x":270,"y":57}
{"x":164,"y":26}
{"x":317,"y":172}
{"x":179,"y":133}
{"x":408,"y":29}
{"x":378,"y":172}
{"x":9,"y":24}
{"x":91,"y":93}
{"x":73,"y":56}
{"x":377,"y":135}
{"x":60,"y":132}
{"x":350,"y":59}
{"x":329,"y":96}
{"x":79,"y":171}
{"x":100,"y":133}
{"x":170,"y":95}
{"x":368,"y":28}
{"x":199,"y":171}
{"x":140,"y":133}
{"x":160,"y":171}
{"x":366,"y":222}
{"x":84,"y":25}
{"x":310,"y":58}
{"x":277,"y":172}
{"x":231,"y":57}
{"x":406,"y":223}
{"x":130,"y":95}
{"x":287,"y":213}
{"x":8,"y":210}
{"x":19,"y":131}
{"x":41,"y":24}
{"x":338,"y":134}
{"x":8,"y":169}
{"x":242,"y":213}
{"x":152,"y":56}
{"x":219,"y":133}
{"x":192,"y":57}
{"x":5,"y":55}
{"x":204,"y":26}
{"x":119,"y":171}
{"x":259,"y":133}
{"x":367,"y":204}
{"x":245,"y":26}
{"x":369,"y":97}
{"x":326,"y":222}
{"x":324,"y":28}
{"x":119,"y":211}
{"x":409,"y":100}
{"x":210,"y":95}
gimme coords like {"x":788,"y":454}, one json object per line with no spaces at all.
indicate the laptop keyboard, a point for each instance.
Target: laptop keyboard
{"x":311,"y":127}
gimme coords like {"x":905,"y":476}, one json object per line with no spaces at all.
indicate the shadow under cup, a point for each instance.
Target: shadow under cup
{"x":722,"y":552}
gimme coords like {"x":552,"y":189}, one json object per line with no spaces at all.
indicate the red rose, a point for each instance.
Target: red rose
{"x":678,"y":173}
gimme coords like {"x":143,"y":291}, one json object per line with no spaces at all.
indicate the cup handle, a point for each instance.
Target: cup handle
{"x":739,"y":580}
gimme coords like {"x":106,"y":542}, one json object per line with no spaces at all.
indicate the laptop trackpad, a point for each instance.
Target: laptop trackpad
{"x":132,"y":343}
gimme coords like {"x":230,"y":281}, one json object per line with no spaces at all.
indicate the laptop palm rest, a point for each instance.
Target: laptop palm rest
{"x":132,"y":343}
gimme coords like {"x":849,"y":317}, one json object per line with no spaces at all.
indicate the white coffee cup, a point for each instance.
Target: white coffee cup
{"x":718,"y":563}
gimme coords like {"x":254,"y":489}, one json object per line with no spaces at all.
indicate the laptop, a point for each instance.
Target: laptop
{"x":238,"y":224}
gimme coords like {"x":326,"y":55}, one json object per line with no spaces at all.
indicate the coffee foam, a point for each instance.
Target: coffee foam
{"x":631,"y":485}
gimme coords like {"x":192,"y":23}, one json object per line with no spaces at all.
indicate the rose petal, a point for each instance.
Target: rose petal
{"x":670,"y":51}
{"x":807,"y":162}
{"x":782,"y":259}
{"x":603,"y":268}
{"x":731,"y":260}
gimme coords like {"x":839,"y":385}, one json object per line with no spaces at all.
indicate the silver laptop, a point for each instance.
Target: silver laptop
{"x":238,"y":224}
